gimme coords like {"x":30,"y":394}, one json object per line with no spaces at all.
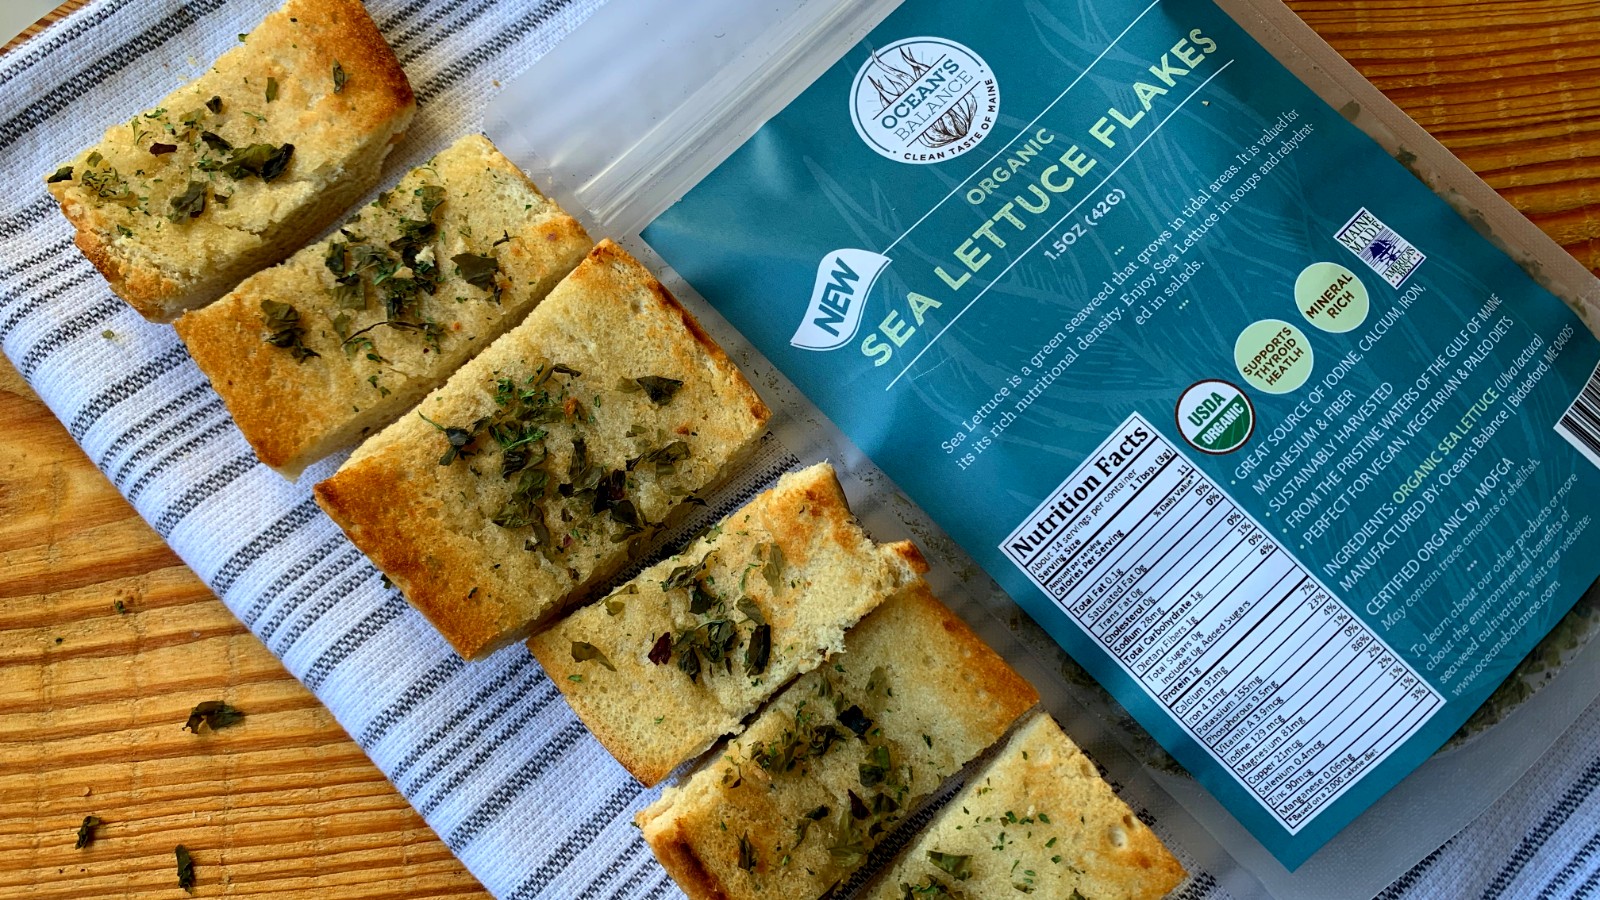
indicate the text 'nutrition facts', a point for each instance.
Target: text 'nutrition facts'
{"x":1220,"y":624}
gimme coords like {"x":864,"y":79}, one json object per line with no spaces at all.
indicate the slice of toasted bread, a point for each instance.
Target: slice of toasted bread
{"x":236,"y":169}
{"x":519,"y":485}
{"x":679,"y":656}
{"x":316,"y":353}
{"x":795,"y":804}
{"x":1037,"y":819}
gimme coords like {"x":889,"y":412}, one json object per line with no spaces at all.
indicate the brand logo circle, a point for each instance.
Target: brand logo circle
{"x":1216,"y":417}
{"x":924,"y":100}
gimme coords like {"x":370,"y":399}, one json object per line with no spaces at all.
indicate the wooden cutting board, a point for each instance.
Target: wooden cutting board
{"x":285,"y":805}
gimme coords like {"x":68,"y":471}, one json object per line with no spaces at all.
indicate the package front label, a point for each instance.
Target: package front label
{"x":1260,"y":430}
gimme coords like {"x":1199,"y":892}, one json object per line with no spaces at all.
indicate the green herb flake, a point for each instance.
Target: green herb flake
{"x":930,"y":888}
{"x":272,"y":89}
{"x":214,"y":714}
{"x":263,"y":161}
{"x":688,"y":657}
{"x":459,"y":439}
{"x":120,"y":607}
{"x":747,"y":854}
{"x":339,"y":78}
{"x":759,"y":651}
{"x":191,"y":203}
{"x":660,"y":390}
{"x":478,"y":271}
{"x":185,"y":868}
{"x":284,"y":330}
{"x":62,"y":174}
{"x":751,"y":611}
{"x":214,"y":104}
{"x":86,"y":831}
{"x":855,"y":720}
{"x":875,"y":770}
{"x":431,"y":195}
{"x":584,"y":652}
{"x":952,"y":864}
{"x":774,"y":568}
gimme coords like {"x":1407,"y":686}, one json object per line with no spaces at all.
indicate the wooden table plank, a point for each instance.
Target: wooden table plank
{"x":286,"y":805}
{"x":52,"y":17}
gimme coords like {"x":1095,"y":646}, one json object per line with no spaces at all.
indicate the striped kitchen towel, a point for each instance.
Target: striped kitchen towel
{"x":488,"y":752}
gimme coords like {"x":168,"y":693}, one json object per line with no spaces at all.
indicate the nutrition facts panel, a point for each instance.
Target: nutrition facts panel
{"x":1220,"y":624}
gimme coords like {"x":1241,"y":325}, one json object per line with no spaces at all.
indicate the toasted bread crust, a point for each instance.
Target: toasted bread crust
{"x":342,"y":31}
{"x":162,"y":268}
{"x":430,"y":526}
{"x":294,"y":412}
{"x":675,"y":851}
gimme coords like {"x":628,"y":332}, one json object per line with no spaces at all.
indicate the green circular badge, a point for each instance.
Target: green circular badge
{"x":1216,"y":417}
{"x":1273,"y":356}
{"x":1331,"y":297}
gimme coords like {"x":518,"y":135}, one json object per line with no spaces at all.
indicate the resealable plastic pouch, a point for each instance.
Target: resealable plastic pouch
{"x":1176,"y":346}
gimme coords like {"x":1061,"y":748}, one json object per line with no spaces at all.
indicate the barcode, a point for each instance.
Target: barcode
{"x":1581,"y":425}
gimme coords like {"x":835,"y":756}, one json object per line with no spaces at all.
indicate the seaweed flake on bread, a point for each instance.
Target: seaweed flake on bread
{"x":236,"y":169}
{"x":1037,"y":819}
{"x":795,"y":804}
{"x":347,"y":334}
{"x":521,"y":484}
{"x":680,"y":655}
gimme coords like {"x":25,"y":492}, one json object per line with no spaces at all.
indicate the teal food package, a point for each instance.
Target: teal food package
{"x":1259,"y":429}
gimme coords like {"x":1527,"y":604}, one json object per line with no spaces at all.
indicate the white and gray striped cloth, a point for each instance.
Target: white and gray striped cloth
{"x":488,"y":753}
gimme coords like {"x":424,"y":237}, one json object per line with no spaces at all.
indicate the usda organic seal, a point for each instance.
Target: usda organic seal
{"x":924,"y":100}
{"x":1216,"y":417}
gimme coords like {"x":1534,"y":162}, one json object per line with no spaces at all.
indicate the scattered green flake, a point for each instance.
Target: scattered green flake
{"x":214,"y":714}
{"x":585,"y":652}
{"x":185,"y":866}
{"x":86,"y":831}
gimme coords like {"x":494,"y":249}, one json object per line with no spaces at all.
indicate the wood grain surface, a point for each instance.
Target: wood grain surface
{"x":285,"y":805}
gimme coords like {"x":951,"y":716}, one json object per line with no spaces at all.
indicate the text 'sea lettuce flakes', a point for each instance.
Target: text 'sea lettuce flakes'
{"x":1262,"y":432}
